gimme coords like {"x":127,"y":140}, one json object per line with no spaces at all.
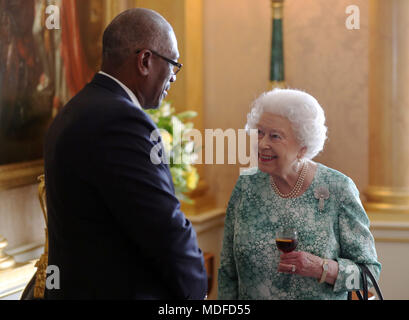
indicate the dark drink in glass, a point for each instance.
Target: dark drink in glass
{"x":286,"y":245}
{"x":286,"y":240}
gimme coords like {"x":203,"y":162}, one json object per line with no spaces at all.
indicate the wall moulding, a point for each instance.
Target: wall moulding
{"x":20,"y":174}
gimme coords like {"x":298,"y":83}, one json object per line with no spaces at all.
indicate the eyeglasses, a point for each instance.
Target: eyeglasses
{"x":176,"y":65}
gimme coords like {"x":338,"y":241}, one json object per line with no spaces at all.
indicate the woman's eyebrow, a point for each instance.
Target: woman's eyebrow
{"x":276,"y":131}
{"x":272,"y":130}
{"x":279,"y":131}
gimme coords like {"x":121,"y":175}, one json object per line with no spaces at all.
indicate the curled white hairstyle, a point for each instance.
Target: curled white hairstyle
{"x":301,"y":109}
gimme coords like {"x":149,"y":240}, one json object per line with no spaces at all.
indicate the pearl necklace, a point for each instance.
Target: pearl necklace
{"x":297,"y":187}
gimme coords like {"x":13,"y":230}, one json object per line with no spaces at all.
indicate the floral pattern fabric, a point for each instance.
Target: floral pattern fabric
{"x":340,"y":231}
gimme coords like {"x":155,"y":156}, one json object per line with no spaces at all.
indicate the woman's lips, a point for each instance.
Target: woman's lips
{"x":266,"y":158}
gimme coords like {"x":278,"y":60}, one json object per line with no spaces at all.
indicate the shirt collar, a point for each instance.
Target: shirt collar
{"x":127,"y":90}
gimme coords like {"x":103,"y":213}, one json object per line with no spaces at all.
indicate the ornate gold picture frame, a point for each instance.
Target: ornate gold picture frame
{"x":20,"y":174}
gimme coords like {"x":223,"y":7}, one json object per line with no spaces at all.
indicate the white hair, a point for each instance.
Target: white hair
{"x":301,"y":109}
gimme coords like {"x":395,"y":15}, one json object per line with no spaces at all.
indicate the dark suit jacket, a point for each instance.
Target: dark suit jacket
{"x":115,"y":225}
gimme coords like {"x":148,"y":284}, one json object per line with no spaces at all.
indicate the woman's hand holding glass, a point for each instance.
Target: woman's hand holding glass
{"x":296,"y":262}
{"x":301,"y":263}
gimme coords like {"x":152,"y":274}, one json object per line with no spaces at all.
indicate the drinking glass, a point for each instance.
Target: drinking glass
{"x":286,"y":240}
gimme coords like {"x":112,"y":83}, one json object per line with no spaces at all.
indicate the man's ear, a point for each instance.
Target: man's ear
{"x":144,"y":62}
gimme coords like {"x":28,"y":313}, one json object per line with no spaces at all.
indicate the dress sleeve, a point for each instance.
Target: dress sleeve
{"x":227,"y":275}
{"x":356,"y":241}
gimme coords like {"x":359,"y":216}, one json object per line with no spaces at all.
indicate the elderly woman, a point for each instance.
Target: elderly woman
{"x":289,"y":190}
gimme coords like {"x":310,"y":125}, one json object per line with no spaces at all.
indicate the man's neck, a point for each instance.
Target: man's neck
{"x":130,"y":93}
{"x":123,"y":76}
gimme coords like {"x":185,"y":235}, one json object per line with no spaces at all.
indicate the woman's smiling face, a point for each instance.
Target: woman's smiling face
{"x":278,"y":147}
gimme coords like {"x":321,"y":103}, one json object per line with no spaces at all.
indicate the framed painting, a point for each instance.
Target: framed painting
{"x":41,"y":68}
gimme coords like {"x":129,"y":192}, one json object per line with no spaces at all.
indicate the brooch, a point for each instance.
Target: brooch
{"x":321,"y":193}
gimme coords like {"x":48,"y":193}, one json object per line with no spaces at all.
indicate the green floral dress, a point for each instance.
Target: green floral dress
{"x":339,"y":231}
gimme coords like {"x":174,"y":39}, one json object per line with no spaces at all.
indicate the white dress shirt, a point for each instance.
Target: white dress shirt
{"x":127,"y":90}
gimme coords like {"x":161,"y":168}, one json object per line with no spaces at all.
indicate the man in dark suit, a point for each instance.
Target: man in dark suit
{"x":115,"y":225}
